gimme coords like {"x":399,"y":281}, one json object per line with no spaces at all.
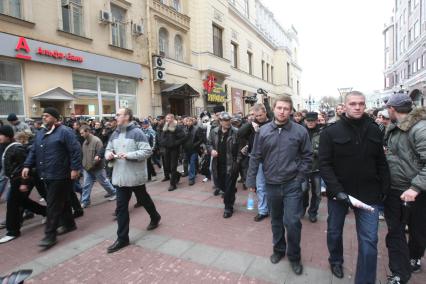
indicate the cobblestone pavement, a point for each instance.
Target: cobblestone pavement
{"x":193,"y":244}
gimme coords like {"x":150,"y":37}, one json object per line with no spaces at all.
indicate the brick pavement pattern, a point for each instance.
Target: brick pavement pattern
{"x":193,"y":244}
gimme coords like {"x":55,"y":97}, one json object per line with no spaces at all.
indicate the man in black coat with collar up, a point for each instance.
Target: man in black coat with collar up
{"x":352,"y":162}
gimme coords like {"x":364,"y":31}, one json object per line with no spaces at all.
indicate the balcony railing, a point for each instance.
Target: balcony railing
{"x":171,"y":14}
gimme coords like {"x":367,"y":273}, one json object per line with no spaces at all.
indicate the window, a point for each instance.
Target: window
{"x":178,"y":48}
{"x":267,"y":72}
{"x":263,"y":69}
{"x":234,"y":55}
{"x":72,"y":16}
{"x":11,"y":7}
{"x":176,"y":5}
{"x":298,"y":87}
{"x":416,"y":29}
{"x":163,"y":42}
{"x":272,"y":74}
{"x":250,"y":62}
{"x":118,"y":26}
{"x":411,"y":35}
{"x":217,"y":41}
{"x":111,"y":93}
{"x":11,"y":94}
{"x":288,"y":73}
{"x":419,"y":63}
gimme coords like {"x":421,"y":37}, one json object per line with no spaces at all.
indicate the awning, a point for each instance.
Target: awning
{"x":184,"y":90}
{"x":55,"y":94}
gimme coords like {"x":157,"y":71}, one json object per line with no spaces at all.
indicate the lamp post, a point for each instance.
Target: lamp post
{"x":310,"y":102}
{"x":343,"y":91}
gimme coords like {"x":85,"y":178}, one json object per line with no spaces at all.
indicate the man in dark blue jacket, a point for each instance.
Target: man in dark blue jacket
{"x":56,"y":154}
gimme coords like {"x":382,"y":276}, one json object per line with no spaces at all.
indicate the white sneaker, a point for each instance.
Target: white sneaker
{"x":44,"y":220}
{"x":205,"y":179}
{"x":6,"y":239}
{"x":112,"y":198}
{"x":42,"y":200}
{"x":381,"y":216}
{"x":153,"y":178}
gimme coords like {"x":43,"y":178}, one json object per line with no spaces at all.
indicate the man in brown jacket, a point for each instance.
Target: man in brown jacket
{"x":93,"y":166}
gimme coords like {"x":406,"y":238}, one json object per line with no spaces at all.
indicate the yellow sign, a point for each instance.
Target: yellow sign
{"x":217,"y":94}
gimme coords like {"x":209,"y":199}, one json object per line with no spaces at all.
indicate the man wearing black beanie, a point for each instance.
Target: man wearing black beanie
{"x":56,"y":154}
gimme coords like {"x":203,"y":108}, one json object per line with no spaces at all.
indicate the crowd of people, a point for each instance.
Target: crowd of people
{"x":369,"y":162}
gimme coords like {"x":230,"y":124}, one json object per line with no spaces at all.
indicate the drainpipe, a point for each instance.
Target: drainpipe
{"x":149,"y":37}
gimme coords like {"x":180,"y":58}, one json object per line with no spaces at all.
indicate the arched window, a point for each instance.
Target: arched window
{"x":178,"y":48}
{"x":163,"y":42}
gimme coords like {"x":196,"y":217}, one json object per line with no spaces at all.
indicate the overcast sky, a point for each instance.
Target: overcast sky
{"x":341,"y":42}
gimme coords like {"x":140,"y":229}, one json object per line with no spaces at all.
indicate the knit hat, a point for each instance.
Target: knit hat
{"x":312,"y":116}
{"x":218,"y":108}
{"x":12,"y":117}
{"x":53,"y":112}
{"x":7,"y":131}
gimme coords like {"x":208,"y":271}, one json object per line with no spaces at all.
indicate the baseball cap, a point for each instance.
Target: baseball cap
{"x":398,"y":100}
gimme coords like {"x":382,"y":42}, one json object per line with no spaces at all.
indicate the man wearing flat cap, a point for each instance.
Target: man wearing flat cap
{"x":223,"y":147}
{"x":405,"y":142}
{"x":56,"y":154}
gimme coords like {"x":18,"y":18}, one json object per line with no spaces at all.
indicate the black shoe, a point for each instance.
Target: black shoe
{"x":415,"y":264}
{"x":78,"y":213}
{"x":108,"y":195}
{"x":395,"y":279}
{"x":172,"y":187}
{"x":154,"y":223}
{"x":227,"y":214}
{"x":116,"y":246}
{"x":297,"y":267}
{"x":216,"y":192}
{"x":47,"y":242}
{"x":165,"y":179}
{"x":313,"y":219}
{"x":137,"y":205}
{"x":191,"y":182}
{"x":62,"y":230}
{"x":337,"y":270}
{"x":276,"y":257}
{"x":259,"y":217}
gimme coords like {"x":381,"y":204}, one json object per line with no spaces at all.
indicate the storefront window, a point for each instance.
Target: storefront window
{"x":88,"y":95}
{"x":11,"y":94}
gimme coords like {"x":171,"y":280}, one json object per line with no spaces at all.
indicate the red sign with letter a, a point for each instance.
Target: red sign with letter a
{"x":23,"y":45}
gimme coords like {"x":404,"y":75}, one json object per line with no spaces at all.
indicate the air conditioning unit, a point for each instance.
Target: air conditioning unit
{"x":137,"y":29}
{"x":157,"y":62}
{"x":105,"y":16}
{"x":159,"y":75}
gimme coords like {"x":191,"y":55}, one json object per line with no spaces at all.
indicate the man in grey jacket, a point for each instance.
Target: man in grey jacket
{"x":129,"y":149}
{"x":284,"y":149}
{"x":406,"y":202}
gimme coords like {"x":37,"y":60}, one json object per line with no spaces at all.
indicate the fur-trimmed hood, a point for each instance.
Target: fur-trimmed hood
{"x":412,"y":118}
{"x":170,"y":126}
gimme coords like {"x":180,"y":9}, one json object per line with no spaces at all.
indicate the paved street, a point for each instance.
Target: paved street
{"x":193,"y":244}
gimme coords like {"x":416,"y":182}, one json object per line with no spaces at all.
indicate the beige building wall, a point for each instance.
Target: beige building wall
{"x":42,"y":21}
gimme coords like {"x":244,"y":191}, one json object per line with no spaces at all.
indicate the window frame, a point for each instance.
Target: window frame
{"x":71,"y":12}
{"x":234,"y":54}
{"x":179,"y":53}
{"x":7,"y":9}
{"x":19,"y":87}
{"x":250,"y":62}
{"x":217,"y":40}
{"x":116,"y":24}
{"x":164,"y":43}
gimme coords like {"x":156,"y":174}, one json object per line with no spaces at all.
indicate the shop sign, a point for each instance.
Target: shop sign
{"x":214,"y":91}
{"x":237,"y":101}
{"x":24,"y":52}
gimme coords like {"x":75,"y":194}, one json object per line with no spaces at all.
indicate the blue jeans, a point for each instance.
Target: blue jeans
{"x":262,"y":202}
{"x":285,"y":204}
{"x":89,"y":178}
{"x":192,"y":160}
{"x":367,"y":224}
{"x":314,"y":184}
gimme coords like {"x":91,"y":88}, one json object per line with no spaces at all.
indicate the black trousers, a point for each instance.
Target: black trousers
{"x":226,"y":183}
{"x":17,"y":201}
{"x":396,"y":241}
{"x":123,"y":197}
{"x":171,"y":162}
{"x":150,"y":168}
{"x":417,"y":227}
{"x":58,"y":194}
{"x":166,"y":168}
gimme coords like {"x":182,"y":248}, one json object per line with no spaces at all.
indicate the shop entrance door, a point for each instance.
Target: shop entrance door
{"x":177,"y":106}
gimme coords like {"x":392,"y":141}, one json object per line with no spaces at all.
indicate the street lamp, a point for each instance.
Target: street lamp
{"x":310,"y":102}
{"x":343,"y":91}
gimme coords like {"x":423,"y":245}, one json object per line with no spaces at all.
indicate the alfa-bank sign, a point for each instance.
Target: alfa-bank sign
{"x":24,"y":52}
{"x":30,"y":50}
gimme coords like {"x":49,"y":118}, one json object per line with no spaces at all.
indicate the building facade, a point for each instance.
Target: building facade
{"x":405,"y":50}
{"x":155,"y":56}
{"x":219,"y":52}
{"x":83,"y":57}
